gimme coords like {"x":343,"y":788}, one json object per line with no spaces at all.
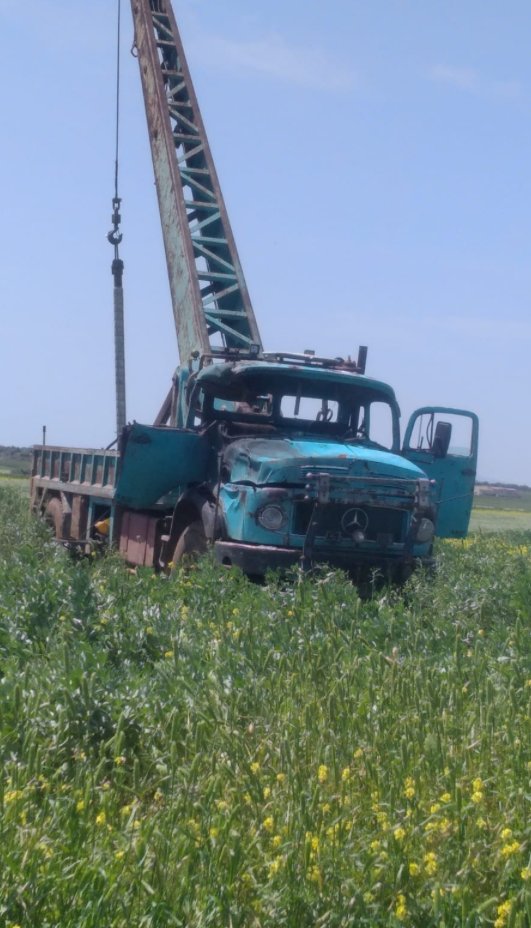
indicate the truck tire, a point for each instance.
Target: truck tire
{"x":54,"y":517}
{"x":191,"y":543}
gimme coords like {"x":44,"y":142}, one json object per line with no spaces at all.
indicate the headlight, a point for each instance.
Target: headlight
{"x":425,"y":531}
{"x":272,"y":518}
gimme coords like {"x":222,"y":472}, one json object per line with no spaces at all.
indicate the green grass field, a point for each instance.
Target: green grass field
{"x":201,"y":752}
{"x":500,"y":520}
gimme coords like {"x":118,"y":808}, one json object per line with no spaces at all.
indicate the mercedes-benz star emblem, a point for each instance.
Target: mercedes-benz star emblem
{"x":354,"y":520}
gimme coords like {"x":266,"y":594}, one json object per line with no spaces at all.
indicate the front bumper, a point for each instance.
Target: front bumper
{"x":258,"y":559}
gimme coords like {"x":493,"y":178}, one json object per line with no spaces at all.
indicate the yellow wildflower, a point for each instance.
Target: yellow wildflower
{"x":168,"y":655}
{"x":333,"y":832}
{"x":434,"y":808}
{"x":119,"y":855}
{"x":368,"y":897}
{"x":399,"y":833}
{"x":120,"y":760}
{"x":322,"y":773}
{"x":446,"y":797}
{"x":526,"y":874}
{"x":509,"y":849}
{"x":414,"y":869}
{"x":503,"y":912}
{"x":45,"y":849}
{"x":345,"y":774}
{"x":266,"y":792}
{"x":430,"y":863}
{"x":477,"y":796}
{"x":213,"y":832}
{"x":314,"y":874}
{"x":401,"y":907}
{"x":101,"y":818}
{"x":276,"y":841}
{"x":269,"y":823}
{"x":325,"y":808}
{"x":358,"y":753}
{"x":375,"y":846}
{"x":506,"y":833}
{"x":314,"y":842}
{"x":281,"y":777}
{"x":275,"y":866}
{"x":80,"y":805}
{"x":409,"y":787}
{"x":255,"y":767}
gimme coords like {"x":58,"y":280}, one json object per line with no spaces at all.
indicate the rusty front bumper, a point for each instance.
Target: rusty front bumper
{"x":258,"y":559}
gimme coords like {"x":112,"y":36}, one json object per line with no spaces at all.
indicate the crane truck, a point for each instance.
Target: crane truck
{"x":272,"y":459}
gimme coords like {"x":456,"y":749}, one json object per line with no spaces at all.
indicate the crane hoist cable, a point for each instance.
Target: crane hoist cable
{"x":117,"y":267}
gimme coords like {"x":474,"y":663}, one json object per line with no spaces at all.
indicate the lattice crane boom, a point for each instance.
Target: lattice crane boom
{"x":211,"y":303}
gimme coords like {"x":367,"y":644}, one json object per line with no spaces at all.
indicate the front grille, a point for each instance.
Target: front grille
{"x":391,"y":523}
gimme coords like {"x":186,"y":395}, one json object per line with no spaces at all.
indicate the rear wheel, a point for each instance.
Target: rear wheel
{"x":54,"y":517}
{"x":191,"y":544}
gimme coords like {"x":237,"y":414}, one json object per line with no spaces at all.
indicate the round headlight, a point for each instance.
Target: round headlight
{"x":272,"y":518}
{"x":425,"y":531}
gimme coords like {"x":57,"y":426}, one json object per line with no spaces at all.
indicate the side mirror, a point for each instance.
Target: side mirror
{"x":441,"y":439}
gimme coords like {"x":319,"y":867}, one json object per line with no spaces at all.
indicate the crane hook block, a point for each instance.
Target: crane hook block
{"x":114,"y":237}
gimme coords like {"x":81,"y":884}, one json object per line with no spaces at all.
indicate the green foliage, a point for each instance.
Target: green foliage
{"x":199,"y":751}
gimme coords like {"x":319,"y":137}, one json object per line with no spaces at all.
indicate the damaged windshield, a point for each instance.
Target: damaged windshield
{"x":336,"y":406}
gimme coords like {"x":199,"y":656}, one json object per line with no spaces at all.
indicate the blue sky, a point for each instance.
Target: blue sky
{"x":375,"y":158}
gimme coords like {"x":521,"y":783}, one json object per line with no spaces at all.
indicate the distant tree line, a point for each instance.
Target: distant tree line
{"x":16,"y":461}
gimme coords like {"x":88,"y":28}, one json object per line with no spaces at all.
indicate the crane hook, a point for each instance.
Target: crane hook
{"x":114,"y":236}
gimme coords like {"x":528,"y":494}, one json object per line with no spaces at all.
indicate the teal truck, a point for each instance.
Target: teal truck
{"x":271,"y":459}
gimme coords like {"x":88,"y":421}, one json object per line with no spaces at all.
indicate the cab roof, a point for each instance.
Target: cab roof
{"x":227,"y":374}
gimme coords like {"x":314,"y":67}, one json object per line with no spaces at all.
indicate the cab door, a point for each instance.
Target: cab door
{"x":443,"y":442}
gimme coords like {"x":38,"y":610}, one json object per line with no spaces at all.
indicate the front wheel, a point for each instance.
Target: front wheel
{"x":191,"y":543}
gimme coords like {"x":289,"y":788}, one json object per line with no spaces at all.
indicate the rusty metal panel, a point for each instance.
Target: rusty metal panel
{"x":137,"y":538}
